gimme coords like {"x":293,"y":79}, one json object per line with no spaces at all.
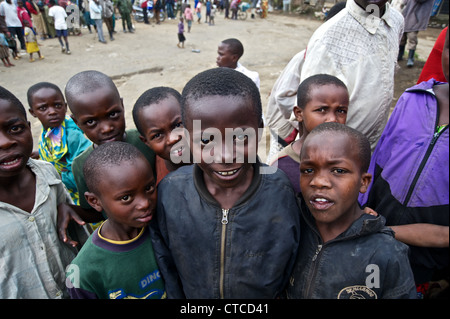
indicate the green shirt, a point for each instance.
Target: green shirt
{"x":109,"y":269}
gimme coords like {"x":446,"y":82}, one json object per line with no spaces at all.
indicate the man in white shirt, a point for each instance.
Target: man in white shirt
{"x":360,"y":46}
{"x":229,"y":53}
{"x":59,"y":16}
{"x":8,"y":12}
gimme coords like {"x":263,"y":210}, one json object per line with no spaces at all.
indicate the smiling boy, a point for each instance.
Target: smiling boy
{"x":223,"y":229}
{"x":346,"y":254}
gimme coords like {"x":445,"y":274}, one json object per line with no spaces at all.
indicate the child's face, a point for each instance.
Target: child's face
{"x":328,"y":103}
{"x":49,"y":106}
{"x":225,"y":58}
{"x":16,"y":141}
{"x":224,"y":157}
{"x":127,"y":193}
{"x":100,"y":115}
{"x":331,"y":178}
{"x":158,"y":121}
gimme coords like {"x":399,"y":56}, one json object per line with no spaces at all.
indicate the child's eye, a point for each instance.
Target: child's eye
{"x":16,"y":129}
{"x":321,"y":110}
{"x":240,"y":137}
{"x":155,"y":136}
{"x":179,"y":124}
{"x":306,"y":170}
{"x":150,"y":188}
{"x":339,"y":171}
{"x":206,"y":141}
{"x":125,"y":198}
{"x":90,"y":122}
{"x":114,"y":114}
{"x":42,"y":108}
{"x":342,"y":111}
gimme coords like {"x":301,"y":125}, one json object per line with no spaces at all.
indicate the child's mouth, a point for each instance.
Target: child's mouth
{"x":321,"y":203}
{"x":11,"y":163}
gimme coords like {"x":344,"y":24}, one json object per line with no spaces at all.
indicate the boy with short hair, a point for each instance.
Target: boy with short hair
{"x":232,"y":232}
{"x":346,"y":254}
{"x":229,"y":52}
{"x":61,"y":140}
{"x":117,"y":261}
{"x":33,"y":258}
{"x":321,"y":98}
{"x":98,"y":110}
{"x":157,"y":116}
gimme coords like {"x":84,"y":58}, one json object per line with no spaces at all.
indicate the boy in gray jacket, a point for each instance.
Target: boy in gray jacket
{"x":223,"y":229}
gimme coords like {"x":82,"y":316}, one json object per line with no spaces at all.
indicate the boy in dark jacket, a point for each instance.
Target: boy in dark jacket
{"x":345,"y":253}
{"x":223,"y":229}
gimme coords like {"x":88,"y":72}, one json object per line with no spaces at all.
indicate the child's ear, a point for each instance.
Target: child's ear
{"x":32,"y":112}
{"x":94,"y":201}
{"x":365,"y":182}
{"x":143,"y":139}
{"x":298,"y":113}
{"x":74,"y":119}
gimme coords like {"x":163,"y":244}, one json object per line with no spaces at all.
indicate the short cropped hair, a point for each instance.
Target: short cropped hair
{"x":11,"y":98}
{"x":221,"y":82}
{"x":355,"y":137}
{"x":41,"y":85}
{"x":235,"y":46}
{"x":304,"y":89}
{"x":104,"y":157}
{"x":86,"y":82}
{"x":149,"y":97}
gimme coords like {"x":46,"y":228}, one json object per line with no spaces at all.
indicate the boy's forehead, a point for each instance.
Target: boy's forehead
{"x":218,"y":106}
{"x":331,"y":144}
{"x":9,"y":110}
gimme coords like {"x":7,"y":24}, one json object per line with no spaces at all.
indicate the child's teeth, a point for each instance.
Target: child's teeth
{"x":228,"y":173}
{"x":320,"y":200}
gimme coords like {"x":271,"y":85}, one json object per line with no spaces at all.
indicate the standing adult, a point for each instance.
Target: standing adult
{"x":96,"y":15}
{"x":359,"y":45}
{"x":8,"y":11}
{"x":107,"y":14}
{"x":125,"y":7}
{"x":38,"y":20}
{"x":417,"y":14}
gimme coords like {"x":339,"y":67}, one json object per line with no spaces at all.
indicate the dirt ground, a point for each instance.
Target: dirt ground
{"x":150,"y":57}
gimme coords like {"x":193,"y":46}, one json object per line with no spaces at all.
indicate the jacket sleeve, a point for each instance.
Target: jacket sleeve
{"x":166,"y":264}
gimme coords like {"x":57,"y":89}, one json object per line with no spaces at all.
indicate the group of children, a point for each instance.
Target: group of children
{"x":187,"y":214}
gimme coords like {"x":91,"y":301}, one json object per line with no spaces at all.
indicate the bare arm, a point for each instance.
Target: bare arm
{"x":422,"y":235}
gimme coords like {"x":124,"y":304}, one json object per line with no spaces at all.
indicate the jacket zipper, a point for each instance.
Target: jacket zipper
{"x":422,"y":164}
{"x":313,"y":275}
{"x":222,"y":251}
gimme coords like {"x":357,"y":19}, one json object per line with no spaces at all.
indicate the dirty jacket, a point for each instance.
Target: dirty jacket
{"x":410,"y":169}
{"x":364,"y":262}
{"x":204,"y":251}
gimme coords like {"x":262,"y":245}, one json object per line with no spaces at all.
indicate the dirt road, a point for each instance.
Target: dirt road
{"x":150,"y":56}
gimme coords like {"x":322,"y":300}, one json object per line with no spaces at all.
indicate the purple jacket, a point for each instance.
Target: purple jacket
{"x":410,"y":169}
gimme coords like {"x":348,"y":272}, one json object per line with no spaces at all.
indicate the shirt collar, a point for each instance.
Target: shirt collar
{"x":370,"y":21}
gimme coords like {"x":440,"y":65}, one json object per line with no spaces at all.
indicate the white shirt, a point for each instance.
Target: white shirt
{"x":95,"y":10}
{"x":32,"y":258}
{"x":9,"y":11}
{"x":251,"y":74}
{"x":361,"y":50}
{"x":59,"y":14}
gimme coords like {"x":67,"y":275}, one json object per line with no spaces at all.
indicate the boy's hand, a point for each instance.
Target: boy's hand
{"x":370,"y":211}
{"x":65,"y":214}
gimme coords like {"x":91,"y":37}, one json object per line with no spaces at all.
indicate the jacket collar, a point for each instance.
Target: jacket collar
{"x":199,"y":183}
{"x":369,"y":19}
{"x":365,"y":225}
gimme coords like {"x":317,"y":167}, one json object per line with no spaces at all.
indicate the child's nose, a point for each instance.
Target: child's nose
{"x":320,"y":180}
{"x":5,"y":141}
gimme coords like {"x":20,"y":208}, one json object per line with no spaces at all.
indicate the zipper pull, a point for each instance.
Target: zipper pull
{"x":435,"y":137}
{"x":319,"y":248}
{"x":225,"y":216}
